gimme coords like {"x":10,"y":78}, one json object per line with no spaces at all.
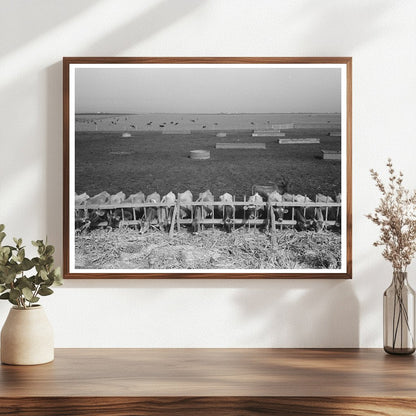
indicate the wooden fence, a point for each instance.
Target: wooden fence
{"x":217,"y":217}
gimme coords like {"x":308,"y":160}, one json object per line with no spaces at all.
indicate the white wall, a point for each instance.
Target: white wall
{"x":380,"y":35}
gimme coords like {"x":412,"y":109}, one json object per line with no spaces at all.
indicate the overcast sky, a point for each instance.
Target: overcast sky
{"x":203,"y":90}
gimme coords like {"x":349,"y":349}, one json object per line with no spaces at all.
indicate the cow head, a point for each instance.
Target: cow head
{"x":279,"y":213}
{"x":253,"y":210}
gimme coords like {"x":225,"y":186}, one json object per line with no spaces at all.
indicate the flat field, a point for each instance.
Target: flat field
{"x":150,"y":161}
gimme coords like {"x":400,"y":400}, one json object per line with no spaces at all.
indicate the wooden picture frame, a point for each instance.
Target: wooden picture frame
{"x":115,"y":139}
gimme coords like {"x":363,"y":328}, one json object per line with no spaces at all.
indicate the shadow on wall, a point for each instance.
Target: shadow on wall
{"x":301,"y":313}
{"x":45,"y":17}
{"x":349,"y":25}
{"x":139,"y":28}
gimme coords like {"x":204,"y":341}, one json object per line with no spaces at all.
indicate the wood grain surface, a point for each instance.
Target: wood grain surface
{"x":212,"y":381}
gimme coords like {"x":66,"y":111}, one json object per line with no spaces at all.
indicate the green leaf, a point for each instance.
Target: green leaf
{"x":8,"y":277}
{"x":21,"y":255}
{"x":5,"y":250}
{"x":26,"y":264}
{"x":5,"y":295}
{"x":27,"y":293}
{"x":2,"y":227}
{"x":37,"y":243}
{"x":2,"y":288}
{"x":24,"y":282}
{"x":45,"y":291}
{"x":17,"y":241}
{"x":43,"y":274}
{"x":49,"y":250}
{"x":15,"y":294}
{"x":2,"y":236}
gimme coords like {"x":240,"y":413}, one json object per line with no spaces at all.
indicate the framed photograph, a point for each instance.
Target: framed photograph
{"x":207,"y":168}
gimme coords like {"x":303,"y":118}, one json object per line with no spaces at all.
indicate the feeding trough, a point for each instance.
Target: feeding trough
{"x":126,"y":135}
{"x":240,"y":145}
{"x":306,"y":140}
{"x":199,"y":154}
{"x":331,"y":154}
{"x":268,"y":133}
{"x":221,"y":134}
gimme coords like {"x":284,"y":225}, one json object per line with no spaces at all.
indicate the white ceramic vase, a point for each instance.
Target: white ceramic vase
{"x":27,"y":337}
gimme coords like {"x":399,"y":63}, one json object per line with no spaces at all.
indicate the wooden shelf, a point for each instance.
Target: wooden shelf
{"x":212,"y":382}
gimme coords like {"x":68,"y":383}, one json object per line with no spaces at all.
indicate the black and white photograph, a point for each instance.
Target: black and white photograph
{"x":207,"y":168}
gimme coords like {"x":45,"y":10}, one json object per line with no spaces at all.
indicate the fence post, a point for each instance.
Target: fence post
{"x":273,"y":224}
{"x":234,"y":213}
{"x":172,"y":224}
{"x":178,"y":219}
{"x":326,"y":210}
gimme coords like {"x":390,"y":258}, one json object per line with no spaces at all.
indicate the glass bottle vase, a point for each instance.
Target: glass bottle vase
{"x":399,"y":316}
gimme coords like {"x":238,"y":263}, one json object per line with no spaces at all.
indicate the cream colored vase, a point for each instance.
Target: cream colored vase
{"x":27,"y":337}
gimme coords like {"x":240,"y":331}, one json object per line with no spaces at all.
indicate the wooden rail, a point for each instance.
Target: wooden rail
{"x":177,"y":221}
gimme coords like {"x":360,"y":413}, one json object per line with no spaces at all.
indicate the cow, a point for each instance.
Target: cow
{"x":278,"y":211}
{"x":202,"y":211}
{"x":80,"y":213}
{"x":138,"y":198}
{"x":98,"y":217}
{"x":117,"y":198}
{"x":309,"y":218}
{"x":328,"y":213}
{"x":80,"y":199}
{"x":166,"y":212}
{"x":227,"y":210}
{"x":185,"y":210}
{"x":151,"y":213}
{"x":100,"y":199}
{"x":118,"y":215}
{"x":265,"y":190}
{"x":115,"y":215}
{"x":253,"y":207}
{"x":338,"y":219}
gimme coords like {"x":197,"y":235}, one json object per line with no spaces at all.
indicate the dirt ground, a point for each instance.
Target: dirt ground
{"x":152,"y":161}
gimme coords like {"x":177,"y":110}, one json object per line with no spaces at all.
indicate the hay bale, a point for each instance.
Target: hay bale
{"x":126,"y":135}
{"x":199,"y":154}
{"x":221,"y":134}
{"x":335,"y":134}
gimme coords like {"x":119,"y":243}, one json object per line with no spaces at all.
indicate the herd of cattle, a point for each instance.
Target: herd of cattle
{"x":153,"y":211}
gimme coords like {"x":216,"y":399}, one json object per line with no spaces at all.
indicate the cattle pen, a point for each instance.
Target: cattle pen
{"x":133,"y":214}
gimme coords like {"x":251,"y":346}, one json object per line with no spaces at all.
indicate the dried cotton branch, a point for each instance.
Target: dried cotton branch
{"x":396,"y":217}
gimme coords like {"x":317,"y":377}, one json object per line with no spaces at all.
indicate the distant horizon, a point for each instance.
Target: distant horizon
{"x":208,"y":90}
{"x":219,"y":113}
